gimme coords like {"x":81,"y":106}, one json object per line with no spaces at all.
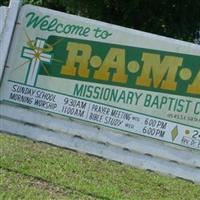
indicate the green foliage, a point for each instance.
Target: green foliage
{"x":4,"y":2}
{"x":177,"y":19}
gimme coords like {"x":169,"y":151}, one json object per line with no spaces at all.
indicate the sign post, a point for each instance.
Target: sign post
{"x":3,"y":14}
{"x":7,"y":31}
{"x":141,"y":91}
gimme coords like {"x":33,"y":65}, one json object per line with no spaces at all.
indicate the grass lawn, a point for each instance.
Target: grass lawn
{"x":32,"y":170}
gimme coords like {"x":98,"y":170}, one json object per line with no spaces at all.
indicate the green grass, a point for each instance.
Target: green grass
{"x":32,"y":170}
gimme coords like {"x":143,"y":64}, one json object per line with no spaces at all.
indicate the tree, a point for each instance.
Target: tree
{"x":173,"y":18}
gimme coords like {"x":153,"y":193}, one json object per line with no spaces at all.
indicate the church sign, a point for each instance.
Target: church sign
{"x":107,"y":75}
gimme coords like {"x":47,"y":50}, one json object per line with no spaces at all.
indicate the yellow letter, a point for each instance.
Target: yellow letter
{"x":77,"y":54}
{"x":154,"y":71}
{"x":114,"y":60}
{"x":194,"y":88}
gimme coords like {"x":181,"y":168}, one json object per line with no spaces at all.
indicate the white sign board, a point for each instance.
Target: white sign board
{"x":122,"y":80}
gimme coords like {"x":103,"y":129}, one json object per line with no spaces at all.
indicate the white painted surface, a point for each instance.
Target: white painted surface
{"x":3,"y":14}
{"x":129,"y":149}
{"x":6,"y":35}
